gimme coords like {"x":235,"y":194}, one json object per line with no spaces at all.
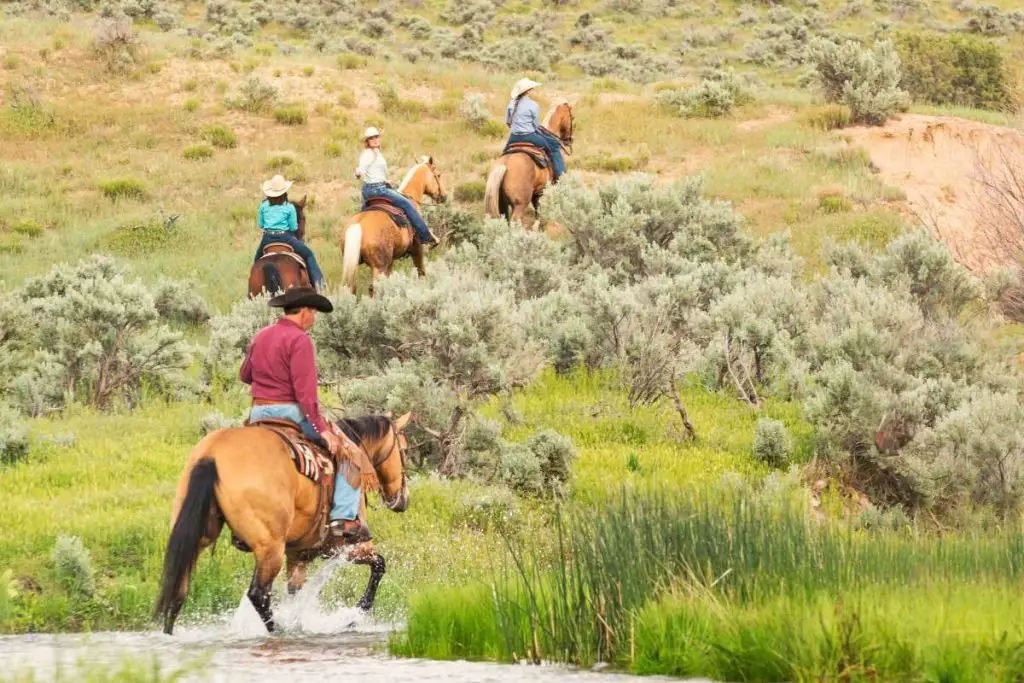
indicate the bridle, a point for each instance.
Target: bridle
{"x":440,"y":188}
{"x":567,"y":143}
{"x":401,"y":454}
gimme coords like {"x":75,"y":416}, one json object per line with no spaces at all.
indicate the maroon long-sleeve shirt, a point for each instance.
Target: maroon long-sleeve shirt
{"x":281,"y":366}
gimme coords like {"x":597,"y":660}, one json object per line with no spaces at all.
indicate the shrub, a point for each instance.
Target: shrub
{"x":166,"y":20}
{"x":834,"y":203}
{"x":460,"y":12}
{"x":615,"y":164}
{"x":198,"y":152}
{"x":492,"y":129}
{"x":520,"y":469}
{"x":473,"y":111}
{"x":865,"y":81}
{"x":555,"y":453}
{"x":123,"y":188}
{"x":771,"y":443}
{"x":13,"y":438}
{"x":211,"y":422}
{"x":350,"y":61}
{"x":955,"y":69}
{"x":99,"y":340}
{"x":72,"y":564}
{"x":470,"y":192}
{"x":519,"y":54}
{"x":493,"y":508}
{"x":191,"y":105}
{"x":220,"y":137}
{"x":291,"y":115}
{"x":116,"y":45}
{"x":254,"y":96}
{"x":139,"y":238}
{"x":178,"y":302}
{"x":332,"y":149}
{"x":1005,"y":287}
{"x":394,"y":106}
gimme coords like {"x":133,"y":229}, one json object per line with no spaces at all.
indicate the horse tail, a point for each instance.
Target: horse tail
{"x":350,"y":255}
{"x":271,"y":278}
{"x":492,"y":195}
{"x":183,"y":545}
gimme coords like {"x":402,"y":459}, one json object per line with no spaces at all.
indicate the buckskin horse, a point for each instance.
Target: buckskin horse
{"x":374,"y":238}
{"x":245,"y":477}
{"x":516,"y":181}
{"x":280,"y":268}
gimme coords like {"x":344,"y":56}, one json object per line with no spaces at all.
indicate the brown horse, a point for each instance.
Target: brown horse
{"x":245,"y":476}
{"x":373,"y":238}
{"x":278,"y":270}
{"x":515,"y":181}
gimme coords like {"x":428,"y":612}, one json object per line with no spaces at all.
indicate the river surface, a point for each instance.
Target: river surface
{"x":313,"y":645}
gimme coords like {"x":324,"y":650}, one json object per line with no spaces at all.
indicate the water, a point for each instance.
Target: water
{"x":312,"y":645}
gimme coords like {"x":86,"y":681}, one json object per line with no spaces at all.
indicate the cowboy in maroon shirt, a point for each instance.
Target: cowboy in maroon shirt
{"x":281,"y":368}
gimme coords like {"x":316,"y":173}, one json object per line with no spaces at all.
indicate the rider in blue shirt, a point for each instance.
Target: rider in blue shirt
{"x":279,"y":222}
{"x":523,"y":119}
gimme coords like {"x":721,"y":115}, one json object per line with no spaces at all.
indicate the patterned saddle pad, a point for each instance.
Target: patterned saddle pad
{"x":311,"y":459}
{"x":280,"y":248}
{"x":538,"y":154}
{"x":385,"y":205}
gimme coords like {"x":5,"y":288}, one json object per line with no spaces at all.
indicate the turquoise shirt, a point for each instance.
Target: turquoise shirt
{"x":277,"y":218}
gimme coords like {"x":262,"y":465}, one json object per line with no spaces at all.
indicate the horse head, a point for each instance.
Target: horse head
{"x":433,"y":187}
{"x":560,"y":122}
{"x":390,"y":466}
{"x":300,"y":216}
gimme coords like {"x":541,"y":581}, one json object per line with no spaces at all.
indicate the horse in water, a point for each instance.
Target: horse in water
{"x":515,"y":180}
{"x":280,"y":268}
{"x":374,"y":238}
{"x":245,"y":477}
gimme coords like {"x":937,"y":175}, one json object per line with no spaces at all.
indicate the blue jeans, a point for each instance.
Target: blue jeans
{"x":346,"y":498}
{"x":402,"y":202}
{"x":548,"y":142}
{"x":315,"y":276}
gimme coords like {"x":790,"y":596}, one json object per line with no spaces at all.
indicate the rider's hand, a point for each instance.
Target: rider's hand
{"x":359,"y":173}
{"x":333,"y":442}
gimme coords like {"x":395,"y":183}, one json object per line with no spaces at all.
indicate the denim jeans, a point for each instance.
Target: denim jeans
{"x":315,"y":276}
{"x":346,"y":498}
{"x":548,"y":142}
{"x":400,"y":200}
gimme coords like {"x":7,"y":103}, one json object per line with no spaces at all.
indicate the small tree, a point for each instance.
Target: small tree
{"x":867,"y":81}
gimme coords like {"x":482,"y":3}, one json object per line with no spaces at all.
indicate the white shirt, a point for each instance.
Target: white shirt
{"x":372,"y":167}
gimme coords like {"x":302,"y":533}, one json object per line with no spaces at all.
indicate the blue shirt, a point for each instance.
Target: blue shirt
{"x":277,"y":218}
{"x":524,"y":118}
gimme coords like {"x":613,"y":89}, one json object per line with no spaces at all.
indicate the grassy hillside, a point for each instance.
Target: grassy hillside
{"x":153,"y":149}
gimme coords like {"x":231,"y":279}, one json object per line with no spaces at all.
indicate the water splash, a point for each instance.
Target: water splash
{"x":303,"y":613}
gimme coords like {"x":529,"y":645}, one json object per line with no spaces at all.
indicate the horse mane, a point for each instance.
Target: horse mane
{"x":366,"y":428}
{"x":409,"y":175}
{"x":552,"y":110}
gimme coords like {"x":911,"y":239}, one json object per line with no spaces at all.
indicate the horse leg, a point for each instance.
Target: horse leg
{"x":296,"y":574}
{"x":417,"y":259}
{"x":269,"y":558}
{"x":375,"y":273}
{"x":535,"y":201}
{"x":377,"y":569}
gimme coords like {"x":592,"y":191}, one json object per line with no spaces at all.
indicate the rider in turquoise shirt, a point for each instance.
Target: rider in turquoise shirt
{"x":279,"y":222}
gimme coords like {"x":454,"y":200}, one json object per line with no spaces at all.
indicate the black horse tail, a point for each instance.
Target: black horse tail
{"x":271,"y":278}
{"x":183,"y":545}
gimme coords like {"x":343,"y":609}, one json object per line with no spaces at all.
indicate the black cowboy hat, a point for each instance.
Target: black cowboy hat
{"x":302,"y":297}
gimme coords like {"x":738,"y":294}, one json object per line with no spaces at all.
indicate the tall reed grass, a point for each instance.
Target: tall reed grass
{"x":737,"y":584}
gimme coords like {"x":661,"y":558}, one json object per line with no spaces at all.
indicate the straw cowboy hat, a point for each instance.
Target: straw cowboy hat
{"x":522,"y":86}
{"x":371,"y":132}
{"x":276,"y":186}
{"x":302,"y":297}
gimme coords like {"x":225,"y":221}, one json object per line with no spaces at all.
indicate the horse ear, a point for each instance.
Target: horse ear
{"x":403,"y":421}
{"x":388,"y":414}
{"x":430,"y":159}
{"x":302,"y":202}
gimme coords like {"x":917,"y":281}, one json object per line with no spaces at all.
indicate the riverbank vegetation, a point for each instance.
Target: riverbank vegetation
{"x":734,"y":413}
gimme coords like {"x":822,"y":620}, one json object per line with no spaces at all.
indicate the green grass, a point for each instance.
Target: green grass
{"x":739,"y":585}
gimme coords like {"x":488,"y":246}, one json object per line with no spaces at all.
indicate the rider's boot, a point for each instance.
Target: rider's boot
{"x":351,"y":531}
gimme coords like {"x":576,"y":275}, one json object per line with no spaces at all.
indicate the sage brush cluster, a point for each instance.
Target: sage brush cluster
{"x":867,"y":81}
{"x":97,"y":339}
{"x":716,"y":96}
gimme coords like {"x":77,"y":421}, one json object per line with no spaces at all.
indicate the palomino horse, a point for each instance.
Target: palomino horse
{"x":515,"y":181}
{"x":278,"y":271}
{"x":373,"y":238}
{"x":245,"y":476}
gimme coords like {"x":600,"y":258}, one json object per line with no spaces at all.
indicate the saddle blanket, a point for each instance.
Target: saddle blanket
{"x":308,"y":458}
{"x":539,"y":155}
{"x":290,"y":254}
{"x":395,"y":213}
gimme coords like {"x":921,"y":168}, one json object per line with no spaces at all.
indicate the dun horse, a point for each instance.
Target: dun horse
{"x":245,"y":477}
{"x":372,"y":237}
{"x":279,"y":270}
{"x":516,"y":182}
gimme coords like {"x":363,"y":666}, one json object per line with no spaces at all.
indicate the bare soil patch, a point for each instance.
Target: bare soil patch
{"x":936,"y":161}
